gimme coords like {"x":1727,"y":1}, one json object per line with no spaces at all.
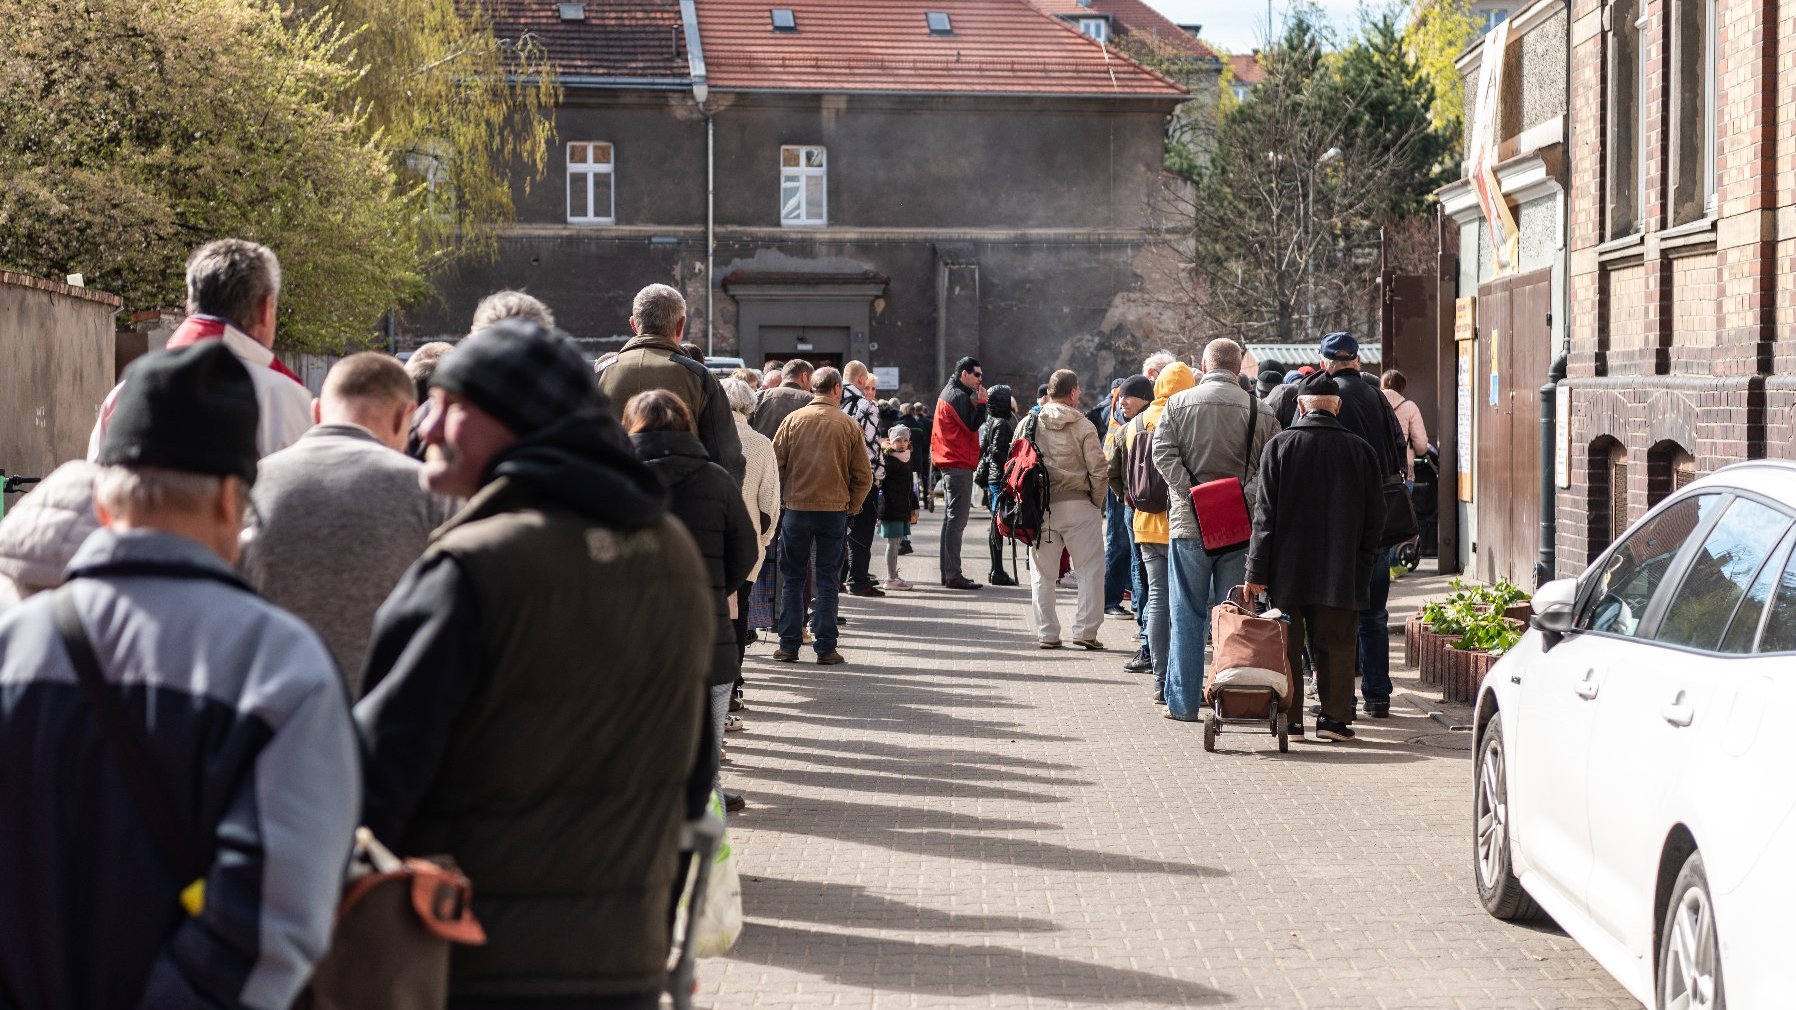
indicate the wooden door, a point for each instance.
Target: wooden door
{"x":1514,"y":345}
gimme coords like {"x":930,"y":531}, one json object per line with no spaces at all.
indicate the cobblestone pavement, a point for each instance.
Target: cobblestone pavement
{"x":956,"y":818}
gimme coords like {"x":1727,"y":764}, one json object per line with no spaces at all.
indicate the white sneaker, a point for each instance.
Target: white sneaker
{"x":897,"y":584}
{"x":1069,"y":581}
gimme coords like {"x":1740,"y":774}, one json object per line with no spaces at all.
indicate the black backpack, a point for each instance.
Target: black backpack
{"x":1022,"y":501}
{"x":1147,"y":489}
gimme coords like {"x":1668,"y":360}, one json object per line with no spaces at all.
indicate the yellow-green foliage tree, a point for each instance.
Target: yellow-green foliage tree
{"x":1438,"y":31}
{"x":131,"y":132}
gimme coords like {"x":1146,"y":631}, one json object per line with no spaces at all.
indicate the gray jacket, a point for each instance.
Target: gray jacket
{"x":45,"y":529}
{"x":339,"y":519}
{"x":247,"y":731}
{"x":1200,"y":439}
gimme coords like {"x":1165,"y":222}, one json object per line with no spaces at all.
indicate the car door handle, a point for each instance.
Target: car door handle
{"x":1589,"y":686}
{"x":1680,"y":712}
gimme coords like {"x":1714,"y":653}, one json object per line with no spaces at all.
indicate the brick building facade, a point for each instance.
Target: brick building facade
{"x":1675,"y":245}
{"x":1682,"y":224}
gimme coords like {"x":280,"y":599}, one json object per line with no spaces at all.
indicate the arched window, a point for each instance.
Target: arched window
{"x":1606,"y":511}
{"x":1669,"y":466}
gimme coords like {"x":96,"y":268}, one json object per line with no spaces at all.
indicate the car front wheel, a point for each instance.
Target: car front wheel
{"x":1689,"y":950}
{"x":1501,"y":894}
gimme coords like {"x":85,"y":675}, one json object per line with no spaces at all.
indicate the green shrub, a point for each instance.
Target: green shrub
{"x":1474,"y":613}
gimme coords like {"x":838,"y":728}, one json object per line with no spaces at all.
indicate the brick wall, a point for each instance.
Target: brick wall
{"x":1675,"y":337}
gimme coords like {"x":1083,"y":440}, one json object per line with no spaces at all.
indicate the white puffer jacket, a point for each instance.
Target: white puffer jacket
{"x":42,"y":532}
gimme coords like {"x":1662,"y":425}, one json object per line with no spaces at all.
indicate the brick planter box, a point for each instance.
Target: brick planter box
{"x":1465,"y":671}
{"x":1431,"y":655}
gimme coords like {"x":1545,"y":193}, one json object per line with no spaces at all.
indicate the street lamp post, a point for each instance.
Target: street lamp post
{"x":1333,"y":154}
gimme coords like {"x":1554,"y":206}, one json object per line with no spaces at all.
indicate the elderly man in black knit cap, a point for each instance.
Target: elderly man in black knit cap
{"x":536,"y":682}
{"x":180,"y":767}
{"x":1316,"y":526}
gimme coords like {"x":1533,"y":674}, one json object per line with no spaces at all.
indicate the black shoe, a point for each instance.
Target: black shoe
{"x":1328,"y":729}
{"x":1000,"y":577}
{"x":1118,"y":611}
{"x":1378,"y":709}
{"x":1316,"y":710}
{"x":1139,"y":663}
{"x":733,"y":802}
{"x":1295,"y":728}
{"x":961,"y":582}
{"x":737,"y":704}
{"x":866,"y":591}
{"x":906,"y":548}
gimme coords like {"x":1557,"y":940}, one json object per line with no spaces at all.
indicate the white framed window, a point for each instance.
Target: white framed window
{"x":1095,"y":28}
{"x":591,"y":183}
{"x":939,"y":22}
{"x":804,"y":185}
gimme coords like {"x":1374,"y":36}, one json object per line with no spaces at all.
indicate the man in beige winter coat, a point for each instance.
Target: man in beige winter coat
{"x":1077,"y":480}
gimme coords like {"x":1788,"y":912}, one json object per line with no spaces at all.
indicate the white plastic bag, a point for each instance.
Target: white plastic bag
{"x":719,"y":921}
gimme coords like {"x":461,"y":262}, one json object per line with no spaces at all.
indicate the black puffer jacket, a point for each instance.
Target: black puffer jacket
{"x":995,"y":436}
{"x":897,"y":494}
{"x":706,"y":500}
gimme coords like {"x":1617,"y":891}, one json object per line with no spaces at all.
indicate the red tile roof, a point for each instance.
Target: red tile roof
{"x":1247,"y":68}
{"x":1133,"y":17}
{"x":627,"y":39}
{"x":997,"y":46}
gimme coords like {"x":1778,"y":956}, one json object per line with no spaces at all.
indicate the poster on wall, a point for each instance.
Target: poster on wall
{"x":887,"y":376}
{"x":1464,"y":332}
{"x":1496,"y":337}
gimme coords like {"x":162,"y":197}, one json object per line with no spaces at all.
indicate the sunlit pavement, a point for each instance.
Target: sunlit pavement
{"x":957,"y":818}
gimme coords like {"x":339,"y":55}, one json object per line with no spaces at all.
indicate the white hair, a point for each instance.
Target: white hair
{"x":741,"y":397}
{"x":1156,"y":361}
{"x":135,"y":490}
{"x":658,"y":310}
{"x":509,"y":304}
{"x":1224,"y":353}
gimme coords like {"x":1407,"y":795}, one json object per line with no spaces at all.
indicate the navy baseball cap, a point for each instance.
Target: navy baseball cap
{"x":1339,"y":346}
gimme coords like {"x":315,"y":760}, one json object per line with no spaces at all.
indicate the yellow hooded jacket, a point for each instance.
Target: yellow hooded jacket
{"x":1152,"y":527}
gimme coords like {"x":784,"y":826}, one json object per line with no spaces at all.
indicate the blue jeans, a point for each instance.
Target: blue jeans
{"x":801,"y":534}
{"x":1138,"y":586}
{"x":1196,"y":582}
{"x":1153,"y":610}
{"x":1117,"y":544}
{"x":1375,"y":635}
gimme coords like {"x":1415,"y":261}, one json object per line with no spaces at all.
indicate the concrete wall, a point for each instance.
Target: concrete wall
{"x":1051,"y":197}
{"x":56,"y":365}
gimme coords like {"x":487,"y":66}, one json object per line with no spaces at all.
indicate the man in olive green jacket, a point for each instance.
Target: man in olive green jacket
{"x":536,"y":682}
{"x":653,"y":360}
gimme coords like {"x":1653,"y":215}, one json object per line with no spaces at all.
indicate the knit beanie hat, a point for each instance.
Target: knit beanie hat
{"x":523,"y":375}
{"x":192,"y":410}
{"x":1139,"y":386}
{"x":898,"y":433}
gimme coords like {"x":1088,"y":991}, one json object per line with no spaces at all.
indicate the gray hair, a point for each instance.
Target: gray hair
{"x":511,"y":304}
{"x":135,"y":490}
{"x":1224,"y":353}
{"x":741,"y":396}
{"x":825,"y":381}
{"x":658,"y":309}
{"x":1157,"y":361}
{"x":230,"y":277}
{"x":423,"y":362}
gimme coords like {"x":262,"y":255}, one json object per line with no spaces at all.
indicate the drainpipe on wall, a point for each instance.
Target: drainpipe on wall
{"x":701,"y":92}
{"x":1546,"y":567}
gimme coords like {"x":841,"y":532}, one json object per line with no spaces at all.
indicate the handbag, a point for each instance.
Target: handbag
{"x":1223,"y":523}
{"x":1399,"y":513}
{"x":390,"y":942}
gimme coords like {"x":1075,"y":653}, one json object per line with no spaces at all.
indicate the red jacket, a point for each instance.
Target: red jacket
{"x":954,"y":437}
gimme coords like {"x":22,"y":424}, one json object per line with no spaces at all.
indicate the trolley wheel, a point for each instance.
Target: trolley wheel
{"x":1284,"y":735}
{"x":1210,"y":729}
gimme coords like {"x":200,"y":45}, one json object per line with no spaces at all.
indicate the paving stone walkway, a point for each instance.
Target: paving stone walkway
{"x":956,"y":819}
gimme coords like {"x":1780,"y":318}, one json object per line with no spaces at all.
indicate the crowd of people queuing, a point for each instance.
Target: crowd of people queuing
{"x":494,"y":603}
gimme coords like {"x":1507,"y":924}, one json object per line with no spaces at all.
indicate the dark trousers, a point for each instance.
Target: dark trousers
{"x":1119,"y":545}
{"x":1332,"y":634}
{"x":1375,"y":635}
{"x":860,"y":541}
{"x":740,"y":623}
{"x":803,"y":534}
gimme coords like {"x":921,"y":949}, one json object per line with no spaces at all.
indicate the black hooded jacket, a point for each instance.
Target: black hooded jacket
{"x":995,"y":436}
{"x":708,"y":502}
{"x":533,"y":710}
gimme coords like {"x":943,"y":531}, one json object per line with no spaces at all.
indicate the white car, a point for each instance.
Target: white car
{"x":1635,"y":772}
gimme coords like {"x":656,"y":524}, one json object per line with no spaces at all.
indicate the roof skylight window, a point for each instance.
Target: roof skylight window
{"x":784,"y":20}
{"x":939,"y":23}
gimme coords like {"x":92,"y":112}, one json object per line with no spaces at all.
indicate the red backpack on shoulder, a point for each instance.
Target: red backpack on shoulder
{"x":1022,"y":501}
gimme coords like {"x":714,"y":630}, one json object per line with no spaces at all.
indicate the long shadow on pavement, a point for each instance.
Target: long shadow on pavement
{"x":862,"y":908}
{"x":951,"y":969}
{"x":896,"y":829}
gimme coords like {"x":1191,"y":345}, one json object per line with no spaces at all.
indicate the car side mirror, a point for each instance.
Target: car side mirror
{"x":1553,"y":603}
